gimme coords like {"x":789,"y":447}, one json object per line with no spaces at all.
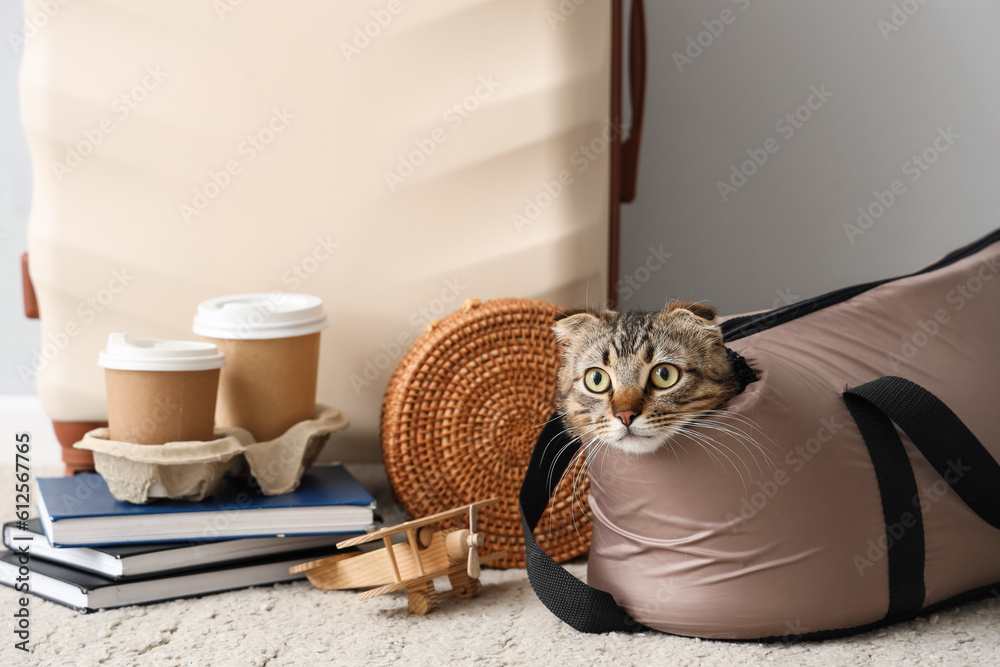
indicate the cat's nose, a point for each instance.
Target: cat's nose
{"x":626,"y":416}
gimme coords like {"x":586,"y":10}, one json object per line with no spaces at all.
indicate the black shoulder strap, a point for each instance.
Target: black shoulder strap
{"x":583,"y":607}
{"x":944,"y":440}
{"x":947,"y":444}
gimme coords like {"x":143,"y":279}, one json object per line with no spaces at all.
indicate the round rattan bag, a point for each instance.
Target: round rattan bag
{"x":460,"y":418}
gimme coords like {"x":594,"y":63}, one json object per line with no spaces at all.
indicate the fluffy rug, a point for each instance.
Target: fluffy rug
{"x":295,"y":624}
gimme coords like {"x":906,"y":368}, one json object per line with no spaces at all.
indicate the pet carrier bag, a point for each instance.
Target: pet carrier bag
{"x":878,"y":407}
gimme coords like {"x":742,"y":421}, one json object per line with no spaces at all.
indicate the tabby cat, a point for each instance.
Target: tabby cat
{"x":633,"y":379}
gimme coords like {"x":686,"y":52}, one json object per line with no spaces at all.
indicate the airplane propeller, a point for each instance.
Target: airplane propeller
{"x":474,"y":541}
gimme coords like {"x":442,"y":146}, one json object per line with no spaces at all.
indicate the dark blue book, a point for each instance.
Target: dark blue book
{"x":80,"y":511}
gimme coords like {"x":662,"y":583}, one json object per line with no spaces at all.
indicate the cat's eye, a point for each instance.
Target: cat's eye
{"x":597,"y":380}
{"x":664,"y":376}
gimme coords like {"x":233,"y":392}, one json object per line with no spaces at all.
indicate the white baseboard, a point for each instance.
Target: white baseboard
{"x":21,"y":413}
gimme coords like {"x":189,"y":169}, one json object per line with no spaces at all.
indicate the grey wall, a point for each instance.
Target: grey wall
{"x":781,"y":235}
{"x":18,"y":336}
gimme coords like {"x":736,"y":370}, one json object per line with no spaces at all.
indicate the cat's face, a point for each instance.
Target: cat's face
{"x":631,"y":379}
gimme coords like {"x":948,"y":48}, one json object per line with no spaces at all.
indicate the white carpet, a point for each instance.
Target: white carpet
{"x":295,"y":624}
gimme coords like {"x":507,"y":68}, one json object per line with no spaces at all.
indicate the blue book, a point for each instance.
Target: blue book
{"x":80,"y":511}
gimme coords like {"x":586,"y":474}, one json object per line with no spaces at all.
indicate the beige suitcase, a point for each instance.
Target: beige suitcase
{"x":393,"y":158}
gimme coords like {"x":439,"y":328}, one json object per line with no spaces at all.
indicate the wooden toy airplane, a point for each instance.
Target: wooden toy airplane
{"x":428,"y":553}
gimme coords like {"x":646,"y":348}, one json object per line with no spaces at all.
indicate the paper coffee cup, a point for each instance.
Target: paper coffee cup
{"x":160,"y":391}
{"x":271,"y":343}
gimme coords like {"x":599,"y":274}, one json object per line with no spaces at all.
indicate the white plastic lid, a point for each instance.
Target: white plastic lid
{"x":260,"y":316}
{"x":127,"y":353}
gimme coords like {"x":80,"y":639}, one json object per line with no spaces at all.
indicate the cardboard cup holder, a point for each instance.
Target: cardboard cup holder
{"x":140,"y":474}
{"x":278,"y":464}
{"x":185,"y":470}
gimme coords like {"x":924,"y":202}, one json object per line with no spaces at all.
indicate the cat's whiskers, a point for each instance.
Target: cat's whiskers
{"x":690,"y":424}
{"x":745,"y":421}
{"x":703,"y":439}
{"x":699,"y":418}
{"x":707,"y":441}
{"x":545,"y":423}
{"x":708,"y":425}
{"x":740,"y":417}
{"x":563,"y":448}
{"x":670,"y":443}
{"x":740,"y":435}
{"x":568,"y":428}
{"x":581,"y":477}
{"x":569,"y":467}
{"x":576,"y":492}
{"x":604,"y":457}
{"x":677,"y":427}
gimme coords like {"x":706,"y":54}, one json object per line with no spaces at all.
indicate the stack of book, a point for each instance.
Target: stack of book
{"x":89,"y":551}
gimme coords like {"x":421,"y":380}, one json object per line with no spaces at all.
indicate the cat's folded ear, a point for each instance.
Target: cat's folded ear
{"x":699,"y":310}
{"x":573,"y":323}
{"x":697,"y":314}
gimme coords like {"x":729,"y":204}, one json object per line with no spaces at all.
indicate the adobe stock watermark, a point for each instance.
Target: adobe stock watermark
{"x":34,"y":21}
{"x":294,"y":277}
{"x":121,"y":108}
{"x":663,"y":598}
{"x":957,"y":297}
{"x":392,"y":350}
{"x":550,"y":190}
{"x":796,"y":459}
{"x":366,"y":33}
{"x":925,"y":499}
{"x":714,"y":27}
{"x":249,"y":149}
{"x":302,"y":270}
{"x":86,"y":312}
{"x":795,"y":632}
{"x":899,"y":16}
{"x":562,"y":12}
{"x":261,"y":313}
{"x":224,"y":8}
{"x":453,"y":117}
{"x":164,"y":408}
{"x":914,"y":168}
{"x":632,"y":282}
{"x":786,"y":127}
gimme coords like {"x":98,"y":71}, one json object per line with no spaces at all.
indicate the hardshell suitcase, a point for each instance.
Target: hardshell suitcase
{"x":392,"y":158}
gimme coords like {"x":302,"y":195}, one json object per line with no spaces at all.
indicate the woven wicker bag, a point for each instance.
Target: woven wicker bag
{"x":460,"y":418}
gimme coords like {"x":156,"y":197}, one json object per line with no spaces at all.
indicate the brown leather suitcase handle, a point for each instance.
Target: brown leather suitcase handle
{"x":30,"y":301}
{"x":637,"y":93}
